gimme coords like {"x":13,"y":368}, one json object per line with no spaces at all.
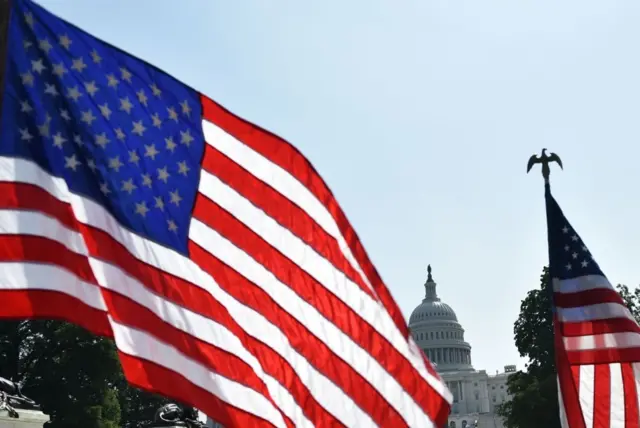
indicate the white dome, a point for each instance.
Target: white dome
{"x":435,"y":328}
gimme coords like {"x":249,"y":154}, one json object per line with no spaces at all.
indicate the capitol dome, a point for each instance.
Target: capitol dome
{"x":435,"y":328}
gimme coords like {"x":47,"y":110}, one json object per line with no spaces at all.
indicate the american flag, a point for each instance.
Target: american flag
{"x":597,"y":340}
{"x":209,"y":249}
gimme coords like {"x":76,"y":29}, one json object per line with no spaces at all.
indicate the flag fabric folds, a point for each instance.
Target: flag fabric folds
{"x":209,"y":249}
{"x":597,"y":340}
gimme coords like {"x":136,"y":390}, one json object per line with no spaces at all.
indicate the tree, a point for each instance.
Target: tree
{"x":75,"y":376}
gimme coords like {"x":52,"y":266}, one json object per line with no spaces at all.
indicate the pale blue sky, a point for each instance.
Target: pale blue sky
{"x":421,"y":116}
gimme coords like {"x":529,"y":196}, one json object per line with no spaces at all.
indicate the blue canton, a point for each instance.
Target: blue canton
{"x":569,"y":257}
{"x":117,"y":130}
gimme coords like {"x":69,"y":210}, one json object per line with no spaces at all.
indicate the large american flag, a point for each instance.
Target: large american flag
{"x":209,"y":249}
{"x":597,"y":338}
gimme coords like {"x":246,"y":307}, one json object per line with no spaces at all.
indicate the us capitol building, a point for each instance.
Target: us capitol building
{"x":436,"y":330}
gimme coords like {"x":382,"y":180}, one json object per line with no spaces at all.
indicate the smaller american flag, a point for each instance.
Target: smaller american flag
{"x":597,"y":338}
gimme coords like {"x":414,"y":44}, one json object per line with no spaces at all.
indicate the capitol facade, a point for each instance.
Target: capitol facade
{"x":436,"y":330}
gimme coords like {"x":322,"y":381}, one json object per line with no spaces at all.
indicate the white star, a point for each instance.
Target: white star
{"x":26,"y":44}
{"x":156,"y":120}
{"x":120,"y":134}
{"x":28,"y":18}
{"x":71,"y":162}
{"x":163,"y":174}
{"x":156,"y":91}
{"x":186,"y":138}
{"x":78,"y":140}
{"x":183,"y":168}
{"x":45,"y":45}
{"x":584,"y":263}
{"x":574,"y":238}
{"x":27,"y":78}
{"x":186,"y":110}
{"x":38,"y":66}
{"x":159,"y":203}
{"x":25,"y":107}
{"x":43,"y":129}
{"x":115,"y":164}
{"x":104,"y":188}
{"x":142,"y":97}
{"x":112,"y":80}
{"x":150,"y":151}
{"x":128,"y":186}
{"x":59,"y":69}
{"x":102,"y":140}
{"x":59,"y":140}
{"x":65,"y":41}
{"x":78,"y":64}
{"x":105,"y":110}
{"x":565,"y":229}
{"x":92,"y":165}
{"x":125,"y":104}
{"x":142,"y":209}
{"x":125,"y":74}
{"x":74,"y":93}
{"x":172,"y":114}
{"x":172,"y":226}
{"x":146,"y":180}
{"x":138,"y":128}
{"x":65,"y":115}
{"x":25,"y":135}
{"x":584,"y":248}
{"x":175,"y":197}
{"x":50,"y":89}
{"x":568,"y":266}
{"x":91,"y":88}
{"x":133,"y":157}
{"x":95,"y":56}
{"x":171,"y":146}
{"x":574,"y":255}
{"x":88,"y":117}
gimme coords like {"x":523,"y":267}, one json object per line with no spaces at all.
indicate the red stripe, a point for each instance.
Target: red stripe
{"x":631,"y":414}
{"x":301,"y":339}
{"x":331,"y":307}
{"x":604,"y":356}
{"x":568,"y":388}
{"x":602,"y":396}
{"x":588,"y":328}
{"x":102,"y":246}
{"x":33,"y":198}
{"x":587,"y":297}
{"x":46,"y":304}
{"x":154,"y":378}
{"x":281,"y":209}
{"x":290,"y":159}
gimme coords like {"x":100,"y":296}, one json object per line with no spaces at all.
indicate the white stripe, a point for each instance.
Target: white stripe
{"x":280,"y":180}
{"x":19,"y":222}
{"x":598,"y":311}
{"x":581,"y":283}
{"x":617,"y":396}
{"x":636,"y":378}
{"x":34,"y":276}
{"x":198,"y":326}
{"x":563,"y":413}
{"x":142,"y":345}
{"x":586,"y":391}
{"x":602,"y":341}
{"x":88,"y":212}
{"x":338,"y":342}
{"x":315,"y":265}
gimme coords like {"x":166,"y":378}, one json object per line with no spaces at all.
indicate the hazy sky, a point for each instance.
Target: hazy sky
{"x":421,"y":116}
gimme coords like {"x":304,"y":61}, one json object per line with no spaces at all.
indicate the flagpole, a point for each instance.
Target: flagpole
{"x":5,"y":12}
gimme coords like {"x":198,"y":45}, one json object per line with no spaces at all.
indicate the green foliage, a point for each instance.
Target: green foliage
{"x":534,"y":393}
{"x":75,"y":376}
